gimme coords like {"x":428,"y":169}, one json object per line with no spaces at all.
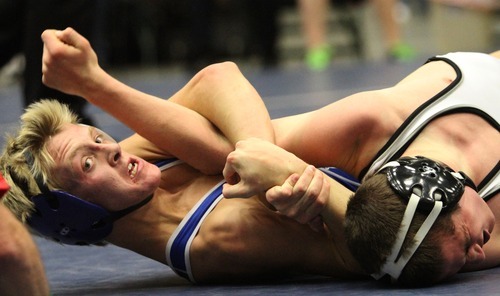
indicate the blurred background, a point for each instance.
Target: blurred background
{"x":192,"y":33}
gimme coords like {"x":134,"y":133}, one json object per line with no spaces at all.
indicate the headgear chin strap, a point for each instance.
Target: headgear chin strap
{"x":71,"y":220}
{"x":428,"y":186}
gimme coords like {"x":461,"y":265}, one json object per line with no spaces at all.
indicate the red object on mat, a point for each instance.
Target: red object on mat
{"x":4,"y":187}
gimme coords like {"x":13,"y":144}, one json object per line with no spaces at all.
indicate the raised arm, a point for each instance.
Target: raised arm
{"x":70,"y":65}
{"x":226,"y":98}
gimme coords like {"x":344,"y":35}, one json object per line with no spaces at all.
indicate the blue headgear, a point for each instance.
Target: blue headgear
{"x":429,"y":187}
{"x":70,"y":220}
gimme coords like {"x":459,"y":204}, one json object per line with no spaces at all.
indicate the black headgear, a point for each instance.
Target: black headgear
{"x":427,"y":186}
{"x":432,"y":180}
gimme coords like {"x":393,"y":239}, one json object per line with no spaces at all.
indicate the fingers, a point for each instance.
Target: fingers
{"x":308,"y":189}
{"x":48,"y":35}
{"x":281,"y":196}
{"x":230,"y":174}
{"x":301,"y":198}
{"x":69,"y":63}
{"x":54,"y":39}
{"x":71,"y":37}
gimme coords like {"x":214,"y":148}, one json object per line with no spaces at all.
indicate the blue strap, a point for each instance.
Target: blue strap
{"x":179,"y":249}
{"x":342,"y":177}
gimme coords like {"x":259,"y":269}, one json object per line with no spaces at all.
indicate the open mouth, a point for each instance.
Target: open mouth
{"x":132,"y":169}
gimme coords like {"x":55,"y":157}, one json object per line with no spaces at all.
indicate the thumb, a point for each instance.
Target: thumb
{"x":50,"y":36}
{"x":230,"y":174}
{"x":237,"y":190}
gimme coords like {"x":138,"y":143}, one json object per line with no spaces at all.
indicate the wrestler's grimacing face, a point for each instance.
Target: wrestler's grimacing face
{"x":474,"y":223}
{"x":98,"y":170}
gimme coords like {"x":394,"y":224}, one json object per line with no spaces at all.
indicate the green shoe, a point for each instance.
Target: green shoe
{"x":402,"y":52}
{"x":318,"y":58}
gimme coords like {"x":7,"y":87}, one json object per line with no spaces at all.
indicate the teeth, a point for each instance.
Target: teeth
{"x":132,"y":169}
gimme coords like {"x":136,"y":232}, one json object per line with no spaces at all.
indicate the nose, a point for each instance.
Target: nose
{"x":114,"y":153}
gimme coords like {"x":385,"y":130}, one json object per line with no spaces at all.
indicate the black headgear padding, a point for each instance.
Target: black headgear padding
{"x":433,"y":182}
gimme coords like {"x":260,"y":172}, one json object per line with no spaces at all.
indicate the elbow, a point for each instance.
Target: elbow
{"x":12,"y":253}
{"x":217,"y":73}
{"x":219,"y":68}
{"x":16,"y":244}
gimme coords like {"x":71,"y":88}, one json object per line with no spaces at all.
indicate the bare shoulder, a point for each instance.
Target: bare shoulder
{"x":430,"y":73}
{"x":496,"y":54}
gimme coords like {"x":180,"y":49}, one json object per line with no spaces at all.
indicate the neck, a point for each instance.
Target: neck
{"x":140,"y":232}
{"x":333,"y":216}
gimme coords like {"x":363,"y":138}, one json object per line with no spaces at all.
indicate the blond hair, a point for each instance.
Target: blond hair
{"x":40,"y":121}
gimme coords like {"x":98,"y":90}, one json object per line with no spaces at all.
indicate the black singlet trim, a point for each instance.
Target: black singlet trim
{"x":417,"y":111}
{"x":487,"y":179}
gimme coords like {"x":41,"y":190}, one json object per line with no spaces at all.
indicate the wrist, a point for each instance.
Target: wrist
{"x":95,"y":86}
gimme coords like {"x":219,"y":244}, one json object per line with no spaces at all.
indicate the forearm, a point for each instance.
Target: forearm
{"x":220,"y":93}
{"x":71,"y":66}
{"x":310,"y":196}
{"x":226,"y":98}
{"x":257,"y":165}
{"x":173,"y":128}
{"x":333,"y":213}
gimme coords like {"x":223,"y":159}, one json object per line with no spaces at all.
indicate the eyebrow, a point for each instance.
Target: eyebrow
{"x":73,"y":153}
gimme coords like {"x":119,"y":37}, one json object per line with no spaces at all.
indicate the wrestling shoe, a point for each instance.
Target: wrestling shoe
{"x":401,"y":52}
{"x":319,"y":58}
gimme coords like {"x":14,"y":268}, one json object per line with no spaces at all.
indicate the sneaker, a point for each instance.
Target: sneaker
{"x":402,"y":52}
{"x":319,"y":58}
